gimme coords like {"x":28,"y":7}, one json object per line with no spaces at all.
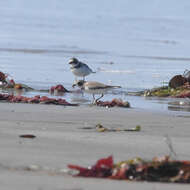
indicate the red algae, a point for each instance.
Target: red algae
{"x":58,"y":89}
{"x":36,"y":99}
{"x":114,"y":103}
{"x":102,"y":168}
{"x":160,"y":169}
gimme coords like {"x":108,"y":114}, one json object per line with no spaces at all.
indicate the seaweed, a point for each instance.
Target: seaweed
{"x":36,"y":99}
{"x":161,"y":169}
{"x":101,"y":128}
{"x":180,"y":92}
{"x":114,"y":103}
{"x":58,"y":89}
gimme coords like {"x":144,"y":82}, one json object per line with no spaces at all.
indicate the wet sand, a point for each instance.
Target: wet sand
{"x":60,"y":140}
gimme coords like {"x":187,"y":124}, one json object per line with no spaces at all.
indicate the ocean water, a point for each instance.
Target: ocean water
{"x":131,"y":43}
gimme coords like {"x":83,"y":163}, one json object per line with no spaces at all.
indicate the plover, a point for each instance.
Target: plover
{"x":93,"y":87}
{"x":79,"y":69}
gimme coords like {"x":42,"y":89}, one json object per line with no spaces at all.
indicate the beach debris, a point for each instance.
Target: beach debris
{"x":179,"y":92}
{"x":180,"y":80}
{"x":36,"y":99}
{"x":114,"y":103}
{"x":18,"y":86}
{"x":100,"y":128}
{"x":164,"y":91}
{"x":183,"y":95}
{"x":137,"y":128}
{"x":3,"y":77}
{"x":30,"y":136}
{"x":160,"y":169}
{"x":7,"y":83}
{"x":178,"y":87}
{"x":58,"y":89}
{"x":102,"y":168}
{"x":186,"y":74}
{"x":177,"y":81}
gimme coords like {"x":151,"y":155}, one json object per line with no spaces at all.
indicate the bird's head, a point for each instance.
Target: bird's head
{"x":78,"y":83}
{"x":73,"y":61}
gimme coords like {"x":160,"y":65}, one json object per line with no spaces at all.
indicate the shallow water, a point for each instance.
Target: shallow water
{"x":134,"y":44}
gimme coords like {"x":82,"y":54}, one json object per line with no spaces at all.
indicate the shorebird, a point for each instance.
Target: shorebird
{"x":79,"y":69}
{"x":93,"y":87}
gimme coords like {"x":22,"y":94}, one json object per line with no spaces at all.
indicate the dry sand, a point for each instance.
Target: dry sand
{"x":60,"y":141}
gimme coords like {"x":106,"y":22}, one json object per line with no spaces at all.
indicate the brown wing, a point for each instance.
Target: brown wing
{"x":97,"y":85}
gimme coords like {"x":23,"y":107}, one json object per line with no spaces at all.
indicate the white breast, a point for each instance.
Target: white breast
{"x":81,"y":72}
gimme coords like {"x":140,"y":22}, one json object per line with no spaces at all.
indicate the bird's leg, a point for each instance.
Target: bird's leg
{"x":99,"y":98}
{"x":94,"y":99}
{"x":74,"y":83}
{"x":82,"y":92}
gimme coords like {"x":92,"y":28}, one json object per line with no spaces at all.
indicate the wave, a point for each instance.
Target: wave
{"x":116,"y":71}
{"x":158,"y":57}
{"x":43,"y":51}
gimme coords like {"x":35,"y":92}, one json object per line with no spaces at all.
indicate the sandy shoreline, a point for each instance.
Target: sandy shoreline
{"x":61,"y":140}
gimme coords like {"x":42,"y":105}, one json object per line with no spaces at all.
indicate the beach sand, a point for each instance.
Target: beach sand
{"x":60,"y":140}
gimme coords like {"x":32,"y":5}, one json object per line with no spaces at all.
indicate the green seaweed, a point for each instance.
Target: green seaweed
{"x":165,"y":91}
